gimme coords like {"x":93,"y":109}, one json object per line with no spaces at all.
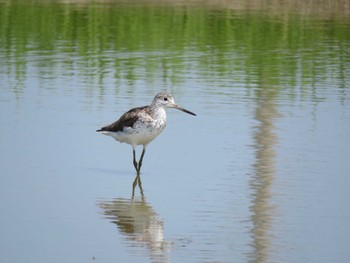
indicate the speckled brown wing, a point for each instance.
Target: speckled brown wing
{"x":126,"y":120}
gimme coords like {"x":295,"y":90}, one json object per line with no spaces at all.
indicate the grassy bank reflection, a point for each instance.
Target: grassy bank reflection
{"x":163,"y":43}
{"x":321,"y":8}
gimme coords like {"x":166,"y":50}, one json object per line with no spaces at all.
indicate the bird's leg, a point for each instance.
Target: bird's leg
{"x":142,"y":154}
{"x":134,"y":161}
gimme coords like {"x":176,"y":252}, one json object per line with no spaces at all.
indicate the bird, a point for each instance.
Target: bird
{"x":141,"y":125}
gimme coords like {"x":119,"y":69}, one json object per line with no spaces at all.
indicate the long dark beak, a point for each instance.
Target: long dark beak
{"x":182,"y":109}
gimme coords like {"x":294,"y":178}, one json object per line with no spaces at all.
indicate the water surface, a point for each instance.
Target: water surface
{"x":260,"y":175}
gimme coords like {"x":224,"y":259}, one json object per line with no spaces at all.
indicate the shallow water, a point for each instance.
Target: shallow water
{"x":259,"y":175}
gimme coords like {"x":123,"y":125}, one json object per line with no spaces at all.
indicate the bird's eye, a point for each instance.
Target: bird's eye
{"x":165,"y":99}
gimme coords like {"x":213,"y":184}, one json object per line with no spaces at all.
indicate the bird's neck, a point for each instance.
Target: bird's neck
{"x":157,"y":113}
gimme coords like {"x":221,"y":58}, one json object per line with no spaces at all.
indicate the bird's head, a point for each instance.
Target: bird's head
{"x":166,"y":101}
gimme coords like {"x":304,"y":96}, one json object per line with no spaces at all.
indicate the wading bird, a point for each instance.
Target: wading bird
{"x":141,"y":125}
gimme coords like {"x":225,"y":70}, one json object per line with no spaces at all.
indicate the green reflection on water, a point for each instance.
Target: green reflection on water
{"x":280,"y":50}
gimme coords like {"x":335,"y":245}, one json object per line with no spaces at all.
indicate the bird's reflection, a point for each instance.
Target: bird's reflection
{"x":137,"y":182}
{"x":138,"y":222}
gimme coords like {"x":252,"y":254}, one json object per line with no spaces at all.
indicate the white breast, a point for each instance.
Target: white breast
{"x":143,"y":131}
